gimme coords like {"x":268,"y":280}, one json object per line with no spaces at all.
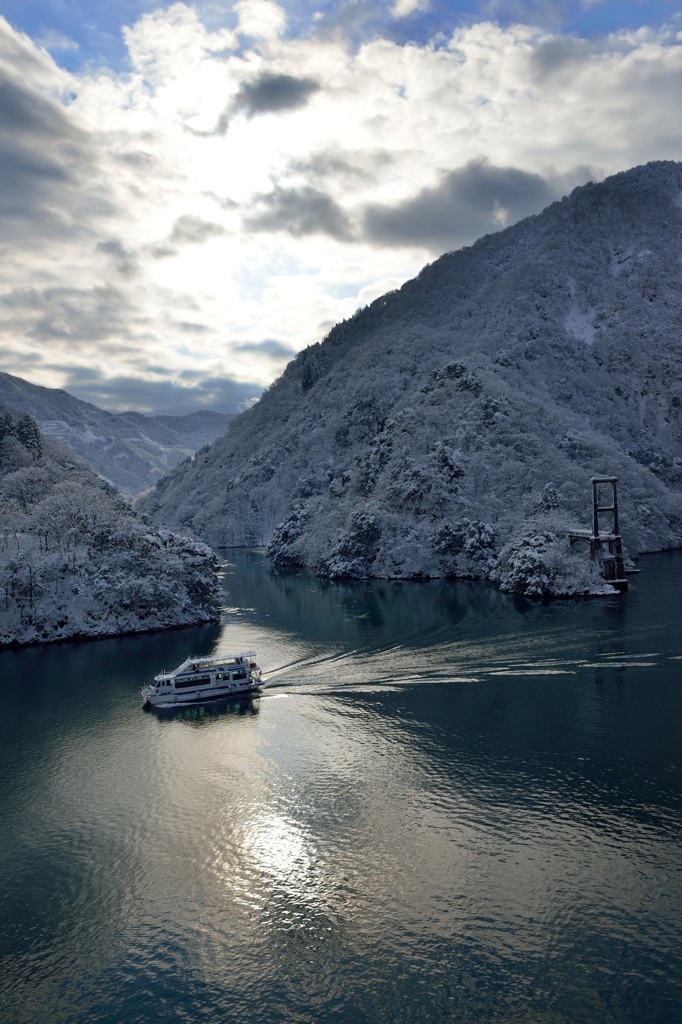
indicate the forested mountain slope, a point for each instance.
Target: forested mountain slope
{"x":130,"y":450}
{"x":74,"y":558}
{"x":452,"y":427}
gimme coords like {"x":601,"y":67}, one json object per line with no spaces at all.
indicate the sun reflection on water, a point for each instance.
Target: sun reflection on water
{"x":354,"y":845}
{"x":278,"y":848}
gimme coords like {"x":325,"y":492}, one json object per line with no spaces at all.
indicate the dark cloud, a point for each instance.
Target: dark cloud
{"x":553,"y":56}
{"x":342,"y":165}
{"x":272,"y":348}
{"x":187,"y":230}
{"x":191,"y":328}
{"x":300,"y":211}
{"x":136,"y":158}
{"x":191,"y":230}
{"x":22,"y":298}
{"x":78,"y":315}
{"x":124,"y":261}
{"x":465,"y":204}
{"x":46,"y":165}
{"x":121,"y":394}
{"x":270,"y":93}
{"x":162,"y":251}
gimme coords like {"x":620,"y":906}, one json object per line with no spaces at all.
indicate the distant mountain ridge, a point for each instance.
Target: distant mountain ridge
{"x":451,"y":428}
{"x":130,"y":450}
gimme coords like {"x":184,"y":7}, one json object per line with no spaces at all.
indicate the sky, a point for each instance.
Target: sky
{"x":191,"y":193}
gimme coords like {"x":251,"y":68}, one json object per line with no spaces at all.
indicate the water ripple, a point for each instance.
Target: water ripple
{"x":448,"y":806}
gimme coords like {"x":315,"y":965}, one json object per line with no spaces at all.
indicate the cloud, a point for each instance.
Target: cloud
{"x":271,"y":348}
{"x":124,"y":393}
{"x":137,"y":157}
{"x":190,"y":327}
{"x":54,"y":40}
{"x":465,"y":203}
{"x":77,"y":315}
{"x":260,"y":19}
{"x":299,"y":212}
{"x":191,"y":230}
{"x":22,"y":58}
{"x":403,"y":8}
{"x":50,"y":185}
{"x":354,"y":156}
{"x":557,"y":55}
{"x":354,"y":20}
{"x":45,"y":161}
{"x":187,"y":230}
{"x":124,"y":261}
{"x":169,"y":40}
{"x":342,"y":165}
{"x":269,"y":93}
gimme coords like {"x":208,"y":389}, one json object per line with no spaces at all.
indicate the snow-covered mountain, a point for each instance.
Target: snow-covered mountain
{"x":130,"y":450}
{"x":452,"y":427}
{"x":76,"y":561}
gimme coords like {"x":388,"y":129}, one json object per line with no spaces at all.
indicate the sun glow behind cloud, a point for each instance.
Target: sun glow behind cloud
{"x":200,"y":218}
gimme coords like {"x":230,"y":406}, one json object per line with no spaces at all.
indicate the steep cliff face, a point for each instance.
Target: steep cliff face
{"x":454,"y":424}
{"x":75,"y":560}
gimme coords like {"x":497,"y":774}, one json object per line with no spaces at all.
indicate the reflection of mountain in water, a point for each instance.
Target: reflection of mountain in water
{"x":375,"y":613}
{"x":468,"y":620}
{"x":523,"y":685}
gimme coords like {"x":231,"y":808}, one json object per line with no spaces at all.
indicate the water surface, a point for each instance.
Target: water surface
{"x":451,"y":805}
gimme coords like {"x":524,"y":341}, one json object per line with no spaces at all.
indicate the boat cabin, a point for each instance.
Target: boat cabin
{"x":199,"y":672}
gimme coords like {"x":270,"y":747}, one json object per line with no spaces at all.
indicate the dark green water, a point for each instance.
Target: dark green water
{"x":453,"y":806}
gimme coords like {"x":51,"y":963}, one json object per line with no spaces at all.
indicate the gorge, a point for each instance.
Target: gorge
{"x":450,"y":428}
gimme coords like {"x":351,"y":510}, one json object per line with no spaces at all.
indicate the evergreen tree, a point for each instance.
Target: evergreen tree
{"x":28,"y":433}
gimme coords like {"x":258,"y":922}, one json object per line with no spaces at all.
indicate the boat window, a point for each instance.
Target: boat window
{"x":241,"y":674}
{"x":200,"y":681}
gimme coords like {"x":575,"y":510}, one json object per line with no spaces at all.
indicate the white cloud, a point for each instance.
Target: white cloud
{"x":261,"y":19}
{"x":57,"y":41}
{"x":402,"y":8}
{"x":284,"y":181}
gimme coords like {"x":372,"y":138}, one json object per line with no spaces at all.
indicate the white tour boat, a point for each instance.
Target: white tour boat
{"x":201,"y":679}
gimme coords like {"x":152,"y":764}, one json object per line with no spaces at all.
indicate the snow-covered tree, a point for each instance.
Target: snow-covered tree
{"x":467,"y":411}
{"x":75,"y":560}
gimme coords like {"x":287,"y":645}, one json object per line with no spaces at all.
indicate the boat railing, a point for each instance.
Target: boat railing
{"x":204,"y":659}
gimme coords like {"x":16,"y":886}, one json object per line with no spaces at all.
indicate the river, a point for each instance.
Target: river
{"x":451,"y":805}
